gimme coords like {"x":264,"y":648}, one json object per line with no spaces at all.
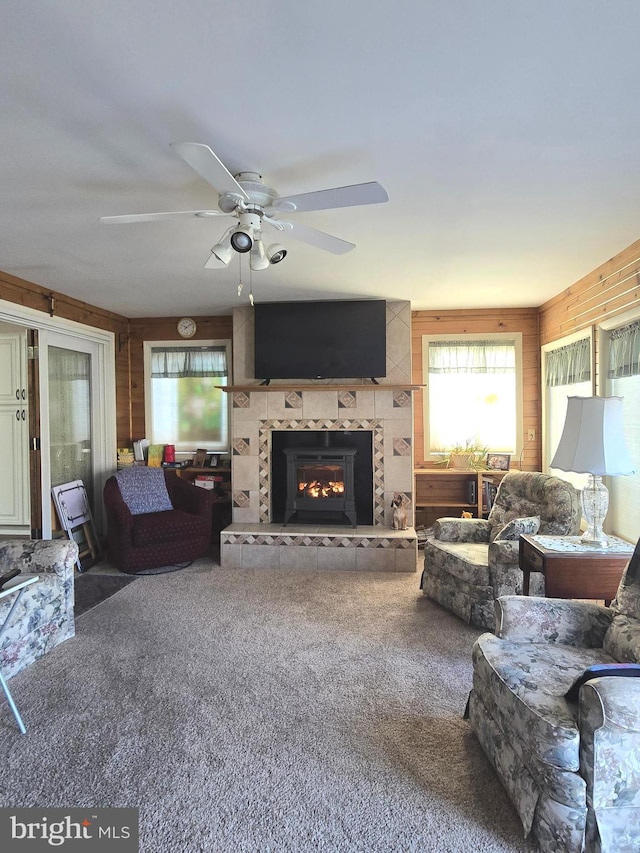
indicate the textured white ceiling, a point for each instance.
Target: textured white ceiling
{"x":505,"y":133}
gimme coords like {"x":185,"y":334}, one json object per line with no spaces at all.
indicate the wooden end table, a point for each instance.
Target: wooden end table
{"x":572,"y":569}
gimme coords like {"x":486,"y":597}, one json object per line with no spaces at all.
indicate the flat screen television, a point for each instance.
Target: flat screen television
{"x":321,"y":340}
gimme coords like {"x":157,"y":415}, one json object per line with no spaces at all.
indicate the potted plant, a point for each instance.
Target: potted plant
{"x":470,"y":455}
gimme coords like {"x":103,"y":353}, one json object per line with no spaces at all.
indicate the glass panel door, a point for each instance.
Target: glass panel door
{"x":70,"y":434}
{"x":75,"y":409}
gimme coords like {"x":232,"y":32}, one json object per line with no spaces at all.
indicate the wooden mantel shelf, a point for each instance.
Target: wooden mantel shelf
{"x":371,"y":387}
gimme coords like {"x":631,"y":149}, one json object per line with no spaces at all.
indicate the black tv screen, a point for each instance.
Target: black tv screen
{"x":321,"y":340}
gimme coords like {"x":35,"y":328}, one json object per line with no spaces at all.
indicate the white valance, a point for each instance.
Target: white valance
{"x":624,"y":351}
{"x":569,"y":364}
{"x":181,"y":362}
{"x":472,"y":356}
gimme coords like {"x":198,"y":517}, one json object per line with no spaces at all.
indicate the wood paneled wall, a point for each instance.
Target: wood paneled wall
{"x":613,"y":288}
{"x":161,"y":329}
{"x":484,"y":321}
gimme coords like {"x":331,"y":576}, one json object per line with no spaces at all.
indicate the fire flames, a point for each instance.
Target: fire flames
{"x":321,"y":488}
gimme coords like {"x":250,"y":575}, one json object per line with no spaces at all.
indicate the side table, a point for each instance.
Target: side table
{"x":572,"y":569}
{"x":18,"y":588}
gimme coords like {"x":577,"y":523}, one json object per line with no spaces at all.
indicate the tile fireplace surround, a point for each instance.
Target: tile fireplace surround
{"x":386,"y":410}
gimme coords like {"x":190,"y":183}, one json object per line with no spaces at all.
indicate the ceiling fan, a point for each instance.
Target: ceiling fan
{"x":252,"y":203}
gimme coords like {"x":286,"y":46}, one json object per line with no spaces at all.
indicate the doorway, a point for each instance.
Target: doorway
{"x":77,"y":435}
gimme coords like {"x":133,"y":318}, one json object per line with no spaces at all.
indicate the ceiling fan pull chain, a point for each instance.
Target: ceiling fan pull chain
{"x":240,"y":284}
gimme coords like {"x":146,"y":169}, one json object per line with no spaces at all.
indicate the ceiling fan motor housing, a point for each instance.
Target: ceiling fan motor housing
{"x":260,"y":195}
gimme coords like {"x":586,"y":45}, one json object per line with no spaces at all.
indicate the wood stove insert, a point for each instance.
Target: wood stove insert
{"x":320,"y":484}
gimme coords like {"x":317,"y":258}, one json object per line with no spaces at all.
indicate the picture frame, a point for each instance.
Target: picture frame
{"x":498,"y":461}
{"x":200,"y":458}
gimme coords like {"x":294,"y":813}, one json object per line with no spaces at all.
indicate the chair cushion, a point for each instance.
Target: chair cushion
{"x":467,"y":561}
{"x":144,"y":489}
{"x":523,"y":685}
{"x":155,"y":527}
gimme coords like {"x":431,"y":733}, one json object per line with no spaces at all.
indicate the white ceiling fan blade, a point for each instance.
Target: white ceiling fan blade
{"x":318,"y":238}
{"x":154,"y":217}
{"x":370,"y":193}
{"x":206,"y":163}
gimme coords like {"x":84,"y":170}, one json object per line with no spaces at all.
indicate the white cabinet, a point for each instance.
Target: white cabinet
{"x":14,"y":429}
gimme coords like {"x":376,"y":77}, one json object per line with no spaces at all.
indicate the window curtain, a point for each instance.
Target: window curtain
{"x":471,"y":357}
{"x":174,"y":363}
{"x":624,"y":351}
{"x":569,"y":364}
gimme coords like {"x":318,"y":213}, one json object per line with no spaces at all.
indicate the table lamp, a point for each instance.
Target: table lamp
{"x":592,"y":442}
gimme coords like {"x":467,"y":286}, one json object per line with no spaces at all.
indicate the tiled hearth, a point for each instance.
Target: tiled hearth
{"x":253,"y":540}
{"x":272,"y":546}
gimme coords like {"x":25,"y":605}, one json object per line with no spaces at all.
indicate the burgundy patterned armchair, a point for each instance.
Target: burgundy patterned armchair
{"x":154,"y":519}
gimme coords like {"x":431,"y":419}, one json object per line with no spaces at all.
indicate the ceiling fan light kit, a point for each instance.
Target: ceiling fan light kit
{"x":246,"y":197}
{"x":276,"y":253}
{"x":222,"y":251}
{"x":258,"y":259}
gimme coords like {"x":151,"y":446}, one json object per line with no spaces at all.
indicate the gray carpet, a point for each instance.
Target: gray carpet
{"x":263,"y":712}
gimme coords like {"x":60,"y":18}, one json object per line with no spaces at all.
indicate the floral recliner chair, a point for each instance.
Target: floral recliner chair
{"x":470,"y":562}
{"x":571,"y":766}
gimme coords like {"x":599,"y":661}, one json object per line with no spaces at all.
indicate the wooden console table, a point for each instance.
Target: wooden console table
{"x":572,"y":569}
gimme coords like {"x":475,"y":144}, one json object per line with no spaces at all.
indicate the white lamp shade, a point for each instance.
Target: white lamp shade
{"x":592,"y":440}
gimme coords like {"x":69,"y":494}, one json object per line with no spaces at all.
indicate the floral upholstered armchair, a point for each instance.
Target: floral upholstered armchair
{"x":44,"y":616}
{"x":570,"y":764}
{"x":470,"y":562}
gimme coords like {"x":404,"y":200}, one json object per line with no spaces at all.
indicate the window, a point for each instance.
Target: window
{"x":184,"y":404}
{"x":566,"y":372}
{"x":621,"y":367}
{"x":474,"y":391}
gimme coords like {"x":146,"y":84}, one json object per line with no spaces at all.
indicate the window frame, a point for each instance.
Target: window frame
{"x":516,"y":339}
{"x":148,"y":346}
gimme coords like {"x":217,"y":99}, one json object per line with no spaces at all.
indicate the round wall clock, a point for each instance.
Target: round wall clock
{"x":186,"y":327}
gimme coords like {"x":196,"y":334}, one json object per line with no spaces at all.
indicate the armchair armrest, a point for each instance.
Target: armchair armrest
{"x":37,"y":556}
{"x":524,"y":619}
{"x":611,"y":702}
{"x":462,"y":529}
{"x":609,"y":724}
{"x":190,"y":498}
{"x":504,"y":553}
